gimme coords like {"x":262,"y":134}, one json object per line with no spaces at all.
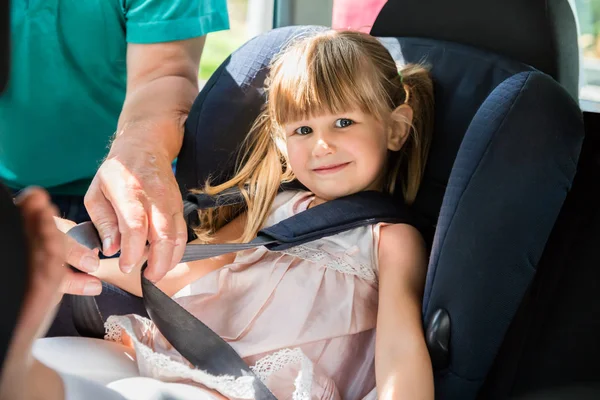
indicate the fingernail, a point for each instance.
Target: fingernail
{"x":106,"y":243}
{"x":127,"y":268}
{"x":90,"y":264}
{"x":92,"y":288}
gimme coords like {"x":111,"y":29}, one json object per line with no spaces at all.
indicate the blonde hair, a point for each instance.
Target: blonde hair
{"x":332,"y":71}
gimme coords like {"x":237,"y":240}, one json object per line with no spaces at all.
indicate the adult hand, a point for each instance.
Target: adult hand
{"x":134,"y":198}
{"x":46,"y":270}
{"x":82,"y":258}
{"x":46,"y":273}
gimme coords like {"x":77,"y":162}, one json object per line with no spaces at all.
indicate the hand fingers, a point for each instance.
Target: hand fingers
{"x":80,"y":256}
{"x":120,"y":206}
{"x":50,"y":261}
{"x":81,"y":284}
{"x":168,"y":230}
{"x":46,"y":250}
{"x":162,"y":245}
{"x":32,"y":200}
{"x":103,"y":216}
{"x":133,"y":224}
{"x":147,"y":208}
{"x":181,"y":240}
{"x":46,"y":241}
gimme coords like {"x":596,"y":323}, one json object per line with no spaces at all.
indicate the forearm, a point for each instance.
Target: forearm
{"x":402,"y":364}
{"x":110,"y":272}
{"x":162,"y":84}
{"x":154,"y":114}
{"x":404,"y":373}
{"x":179,"y":277}
{"x":183,"y":274}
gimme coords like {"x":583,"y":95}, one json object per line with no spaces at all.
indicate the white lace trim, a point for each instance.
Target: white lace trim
{"x":240,"y":388}
{"x":333,"y":262}
{"x":114,"y":332}
{"x":304,"y":380}
{"x":272,"y":363}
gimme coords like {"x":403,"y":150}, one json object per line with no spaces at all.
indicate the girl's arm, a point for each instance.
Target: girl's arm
{"x":402,"y":364}
{"x":182,"y":275}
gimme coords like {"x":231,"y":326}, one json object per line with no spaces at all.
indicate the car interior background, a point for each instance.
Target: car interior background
{"x":548,"y":341}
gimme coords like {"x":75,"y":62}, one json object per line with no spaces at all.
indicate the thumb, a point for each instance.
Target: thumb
{"x":81,"y":257}
{"x":105,"y":220}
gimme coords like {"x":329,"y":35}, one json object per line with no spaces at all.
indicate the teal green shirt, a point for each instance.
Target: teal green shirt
{"x":68,"y":78}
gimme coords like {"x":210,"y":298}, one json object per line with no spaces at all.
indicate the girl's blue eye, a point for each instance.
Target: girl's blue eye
{"x":303,"y":130}
{"x":343,"y":123}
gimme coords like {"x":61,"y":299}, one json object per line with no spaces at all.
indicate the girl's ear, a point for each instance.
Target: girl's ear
{"x":399,"y":128}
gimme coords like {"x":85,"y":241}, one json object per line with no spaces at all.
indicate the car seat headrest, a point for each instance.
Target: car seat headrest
{"x":540,"y":33}
{"x":230,"y":101}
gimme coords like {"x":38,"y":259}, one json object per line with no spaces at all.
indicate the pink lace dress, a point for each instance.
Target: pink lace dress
{"x":303,"y":319}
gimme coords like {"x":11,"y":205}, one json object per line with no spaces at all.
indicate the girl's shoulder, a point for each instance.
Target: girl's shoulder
{"x":288,"y":204}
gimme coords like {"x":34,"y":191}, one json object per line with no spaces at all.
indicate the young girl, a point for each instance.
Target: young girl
{"x":340,"y":317}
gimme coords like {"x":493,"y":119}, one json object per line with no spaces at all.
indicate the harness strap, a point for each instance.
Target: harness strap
{"x":194,"y":340}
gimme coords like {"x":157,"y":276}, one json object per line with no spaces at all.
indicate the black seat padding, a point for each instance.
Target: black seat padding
{"x":540,"y":33}
{"x":552,"y":341}
{"x":463,"y":79}
{"x":508,"y":183}
{"x":504,"y":153}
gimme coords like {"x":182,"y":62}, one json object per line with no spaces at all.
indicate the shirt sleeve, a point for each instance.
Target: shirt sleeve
{"x":156,"y":21}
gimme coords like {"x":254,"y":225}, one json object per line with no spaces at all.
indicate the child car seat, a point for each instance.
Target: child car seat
{"x":505,"y":149}
{"x":538,"y":33}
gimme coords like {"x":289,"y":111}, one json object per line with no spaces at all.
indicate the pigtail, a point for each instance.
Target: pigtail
{"x":415,"y":90}
{"x":261,"y":168}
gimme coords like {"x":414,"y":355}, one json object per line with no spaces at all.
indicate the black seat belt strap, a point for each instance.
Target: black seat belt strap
{"x":198,"y":343}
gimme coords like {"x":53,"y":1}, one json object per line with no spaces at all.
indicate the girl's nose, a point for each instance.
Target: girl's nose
{"x":322,"y":147}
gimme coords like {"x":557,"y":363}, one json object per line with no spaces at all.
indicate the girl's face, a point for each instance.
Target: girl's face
{"x":335,"y":155}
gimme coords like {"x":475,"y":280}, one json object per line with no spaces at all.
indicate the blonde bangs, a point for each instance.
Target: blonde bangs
{"x":325,"y":74}
{"x":329,"y":72}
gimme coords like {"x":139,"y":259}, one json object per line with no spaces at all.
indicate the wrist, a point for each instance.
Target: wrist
{"x":154,"y":114}
{"x":160,"y":136}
